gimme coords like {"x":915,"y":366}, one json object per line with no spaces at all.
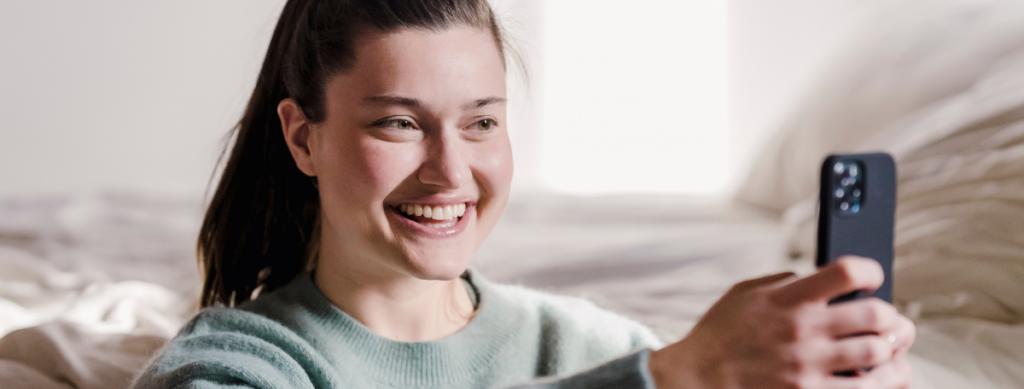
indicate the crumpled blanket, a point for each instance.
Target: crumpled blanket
{"x":64,"y":330}
{"x":91,"y":286}
{"x":65,"y":355}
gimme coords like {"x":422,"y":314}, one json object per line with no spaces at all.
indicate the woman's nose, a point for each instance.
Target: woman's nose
{"x":446,"y":165}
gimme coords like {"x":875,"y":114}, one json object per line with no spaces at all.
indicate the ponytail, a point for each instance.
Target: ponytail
{"x":262,"y":216}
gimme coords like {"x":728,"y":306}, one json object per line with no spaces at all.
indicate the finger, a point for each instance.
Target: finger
{"x":859,"y":352}
{"x":906,"y":333}
{"x":865,"y":316}
{"x":892,"y":375}
{"x":766,"y":280}
{"x":846,"y":275}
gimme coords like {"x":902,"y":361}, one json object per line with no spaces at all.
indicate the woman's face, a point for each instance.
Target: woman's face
{"x":413,"y":158}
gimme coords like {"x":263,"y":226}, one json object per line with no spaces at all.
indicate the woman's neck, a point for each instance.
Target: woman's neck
{"x":401,"y":308}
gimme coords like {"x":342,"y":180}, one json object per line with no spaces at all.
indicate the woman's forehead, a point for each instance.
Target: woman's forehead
{"x":454,"y":65}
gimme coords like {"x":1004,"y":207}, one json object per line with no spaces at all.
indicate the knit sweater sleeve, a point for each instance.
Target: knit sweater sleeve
{"x":579,"y":335}
{"x":628,"y":372}
{"x":229,"y":348}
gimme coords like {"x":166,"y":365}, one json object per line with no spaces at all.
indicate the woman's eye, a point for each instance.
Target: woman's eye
{"x":403,"y":124}
{"x":484,"y":125}
{"x":398,"y":124}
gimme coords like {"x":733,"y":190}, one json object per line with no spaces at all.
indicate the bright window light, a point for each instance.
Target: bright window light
{"x":635,"y":97}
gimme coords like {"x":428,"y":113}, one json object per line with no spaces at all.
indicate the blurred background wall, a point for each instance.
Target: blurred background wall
{"x":661,"y":96}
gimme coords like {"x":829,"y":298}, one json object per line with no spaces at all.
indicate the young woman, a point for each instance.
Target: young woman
{"x":371,"y":162}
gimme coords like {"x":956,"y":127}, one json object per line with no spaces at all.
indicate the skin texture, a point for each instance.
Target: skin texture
{"x":376,"y":149}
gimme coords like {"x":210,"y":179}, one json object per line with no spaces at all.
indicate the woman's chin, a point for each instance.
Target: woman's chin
{"x":437,"y":258}
{"x":438,"y":266}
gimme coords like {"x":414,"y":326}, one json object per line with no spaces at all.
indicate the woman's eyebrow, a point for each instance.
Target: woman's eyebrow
{"x":392,"y":100}
{"x":484,"y":102}
{"x":410,"y":102}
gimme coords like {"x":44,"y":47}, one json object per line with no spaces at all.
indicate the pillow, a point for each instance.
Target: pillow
{"x":941,"y":87}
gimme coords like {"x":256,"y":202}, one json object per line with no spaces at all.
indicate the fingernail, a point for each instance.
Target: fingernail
{"x":854,"y":258}
{"x":891,"y":338}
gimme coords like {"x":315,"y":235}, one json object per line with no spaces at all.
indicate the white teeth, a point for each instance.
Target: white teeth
{"x":435,"y":212}
{"x":442,"y":224}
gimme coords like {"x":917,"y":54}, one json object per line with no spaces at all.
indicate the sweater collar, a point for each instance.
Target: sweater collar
{"x":456,"y":358}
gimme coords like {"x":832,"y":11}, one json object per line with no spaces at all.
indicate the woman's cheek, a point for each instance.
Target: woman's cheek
{"x":357,"y":176}
{"x":494,"y":174}
{"x":376,"y":168}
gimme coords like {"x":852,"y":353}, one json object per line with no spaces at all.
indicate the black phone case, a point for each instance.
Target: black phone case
{"x":866,"y":231}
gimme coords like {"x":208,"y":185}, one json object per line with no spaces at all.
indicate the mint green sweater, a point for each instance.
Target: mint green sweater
{"x":295,"y":338}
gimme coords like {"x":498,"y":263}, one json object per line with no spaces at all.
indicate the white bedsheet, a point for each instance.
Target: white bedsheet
{"x":91,"y":286}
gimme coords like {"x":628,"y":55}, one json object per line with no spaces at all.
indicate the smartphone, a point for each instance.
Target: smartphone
{"x":856,"y":214}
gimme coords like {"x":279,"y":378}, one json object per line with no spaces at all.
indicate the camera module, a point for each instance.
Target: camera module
{"x":848,"y":185}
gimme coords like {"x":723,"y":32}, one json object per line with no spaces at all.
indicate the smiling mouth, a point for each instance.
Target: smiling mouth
{"x":434,"y":216}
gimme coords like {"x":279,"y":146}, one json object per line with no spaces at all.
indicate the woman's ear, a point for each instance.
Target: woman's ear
{"x":296,"y":135}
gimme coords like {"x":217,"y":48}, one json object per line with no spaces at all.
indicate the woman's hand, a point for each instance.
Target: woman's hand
{"x":770,"y":333}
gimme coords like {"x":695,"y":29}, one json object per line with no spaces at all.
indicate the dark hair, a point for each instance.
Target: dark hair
{"x":262,"y":226}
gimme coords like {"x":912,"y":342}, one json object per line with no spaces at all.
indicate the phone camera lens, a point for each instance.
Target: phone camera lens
{"x":848,"y":181}
{"x":855,"y":208}
{"x":839,"y":193}
{"x":838,"y":168}
{"x":856,"y":193}
{"x":844,"y":206}
{"x":853,"y":170}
